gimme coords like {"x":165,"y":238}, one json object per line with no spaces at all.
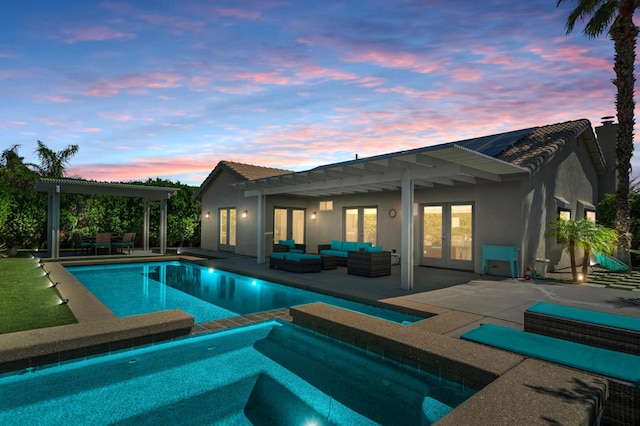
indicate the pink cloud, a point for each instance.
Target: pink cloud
{"x":95,"y":33}
{"x":273,"y":77}
{"x":134,"y":83}
{"x":403,"y":60}
{"x":60,"y":99}
{"x":143,"y":168}
{"x":238,"y":13}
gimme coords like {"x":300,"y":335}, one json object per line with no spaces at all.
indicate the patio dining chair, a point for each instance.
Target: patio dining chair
{"x":127,"y":242}
{"x":103,"y":241}
{"x":80,"y":243}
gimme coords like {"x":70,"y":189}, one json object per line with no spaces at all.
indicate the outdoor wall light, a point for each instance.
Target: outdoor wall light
{"x":245,"y":214}
{"x":64,"y":301}
{"x":313,"y":216}
{"x":207,"y":215}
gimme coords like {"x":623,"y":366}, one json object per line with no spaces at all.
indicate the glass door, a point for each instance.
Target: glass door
{"x":447,"y":236}
{"x":288,"y":224}
{"x":361,"y":224}
{"x":227,"y":229}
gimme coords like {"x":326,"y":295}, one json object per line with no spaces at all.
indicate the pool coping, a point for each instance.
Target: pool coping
{"x":512,"y":389}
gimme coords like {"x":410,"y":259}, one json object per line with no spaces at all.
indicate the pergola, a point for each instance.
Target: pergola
{"x":449,"y":165}
{"x":54,"y":187}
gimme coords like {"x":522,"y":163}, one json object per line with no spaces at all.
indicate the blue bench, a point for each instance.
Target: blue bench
{"x":618,"y":365}
{"x":601,"y":329}
{"x":505,"y":253}
{"x":622,"y":369}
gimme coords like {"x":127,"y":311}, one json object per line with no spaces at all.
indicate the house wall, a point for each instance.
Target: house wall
{"x":570,"y":177}
{"x":514,"y":213}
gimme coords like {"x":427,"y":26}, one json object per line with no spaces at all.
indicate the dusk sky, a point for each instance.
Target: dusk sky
{"x":169,"y":88}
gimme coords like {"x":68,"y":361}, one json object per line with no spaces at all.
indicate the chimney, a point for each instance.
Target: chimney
{"x":607,"y":138}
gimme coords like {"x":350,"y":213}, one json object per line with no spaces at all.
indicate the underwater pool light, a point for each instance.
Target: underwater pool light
{"x":211,"y":270}
{"x":254,"y":282}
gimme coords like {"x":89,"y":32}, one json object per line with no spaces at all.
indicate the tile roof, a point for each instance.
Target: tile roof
{"x":540,"y":145}
{"x":249,"y":171}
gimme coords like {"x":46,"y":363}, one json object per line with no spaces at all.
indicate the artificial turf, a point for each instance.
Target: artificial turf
{"x":27,"y":300}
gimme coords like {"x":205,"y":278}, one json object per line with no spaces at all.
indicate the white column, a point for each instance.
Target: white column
{"x":406,"y":242}
{"x":261,"y":219}
{"x":145,"y":229}
{"x":163,"y":226}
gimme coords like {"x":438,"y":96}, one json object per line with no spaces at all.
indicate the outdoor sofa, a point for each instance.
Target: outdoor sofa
{"x":289,"y":246}
{"x":295,"y":262}
{"x":341,"y":249}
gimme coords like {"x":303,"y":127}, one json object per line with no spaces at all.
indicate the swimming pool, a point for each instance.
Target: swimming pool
{"x":269,"y":373}
{"x":206,"y":293}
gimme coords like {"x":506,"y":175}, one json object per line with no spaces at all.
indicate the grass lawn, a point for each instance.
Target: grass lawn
{"x":27,"y":300}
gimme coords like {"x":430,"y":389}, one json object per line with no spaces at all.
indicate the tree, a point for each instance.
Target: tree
{"x":582,"y":234}
{"x":616,"y":17}
{"x":53,"y":164}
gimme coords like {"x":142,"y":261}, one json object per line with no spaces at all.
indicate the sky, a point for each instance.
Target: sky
{"x":168,"y":89}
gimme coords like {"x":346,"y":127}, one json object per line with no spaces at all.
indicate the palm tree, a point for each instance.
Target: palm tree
{"x":53,"y":164}
{"x":616,"y":17}
{"x":582,"y":234}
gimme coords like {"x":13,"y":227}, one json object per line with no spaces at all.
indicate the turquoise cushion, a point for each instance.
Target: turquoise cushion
{"x":336,"y":253}
{"x":295,"y":250}
{"x":619,"y":365}
{"x":336,"y":245}
{"x":350,"y":246}
{"x":373,"y":249}
{"x":289,"y":243}
{"x":586,"y":315}
{"x":294,"y":257}
{"x":362,"y":246}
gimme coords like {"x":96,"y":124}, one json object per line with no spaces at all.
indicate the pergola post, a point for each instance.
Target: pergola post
{"x":261,"y":236}
{"x":145,"y":226}
{"x":53,"y":224}
{"x":406,"y":242}
{"x":163,"y":226}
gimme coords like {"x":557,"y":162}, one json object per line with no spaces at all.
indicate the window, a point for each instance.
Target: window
{"x":564,"y":214}
{"x":326,"y":205}
{"x":591,"y":215}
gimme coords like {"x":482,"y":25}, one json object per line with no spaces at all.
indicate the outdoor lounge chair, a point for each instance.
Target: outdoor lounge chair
{"x":127,"y":242}
{"x":103,"y":241}
{"x":79,"y":243}
{"x":609,"y":263}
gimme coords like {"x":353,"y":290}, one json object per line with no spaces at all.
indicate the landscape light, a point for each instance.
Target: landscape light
{"x":64,"y":301}
{"x":54,"y":284}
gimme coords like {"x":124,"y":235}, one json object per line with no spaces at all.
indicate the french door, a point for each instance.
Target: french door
{"x":227,"y":229}
{"x":288,"y":224}
{"x":447,"y":235}
{"x":361,"y":224}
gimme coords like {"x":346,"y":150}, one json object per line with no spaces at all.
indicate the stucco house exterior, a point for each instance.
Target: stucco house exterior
{"x":435,"y":206}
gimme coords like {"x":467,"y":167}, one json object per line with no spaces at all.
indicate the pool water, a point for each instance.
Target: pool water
{"x":265,"y":374}
{"x":205,"y":293}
